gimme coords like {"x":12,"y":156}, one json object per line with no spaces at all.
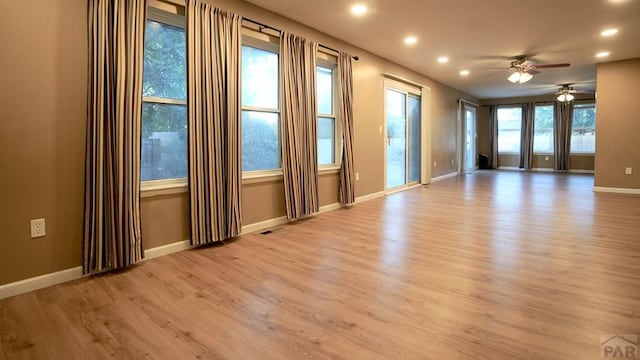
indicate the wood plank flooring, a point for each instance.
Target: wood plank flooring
{"x":492,"y":265}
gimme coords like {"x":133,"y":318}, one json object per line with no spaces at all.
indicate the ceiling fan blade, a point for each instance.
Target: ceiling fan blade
{"x":547,"y":66}
{"x":532,"y":71}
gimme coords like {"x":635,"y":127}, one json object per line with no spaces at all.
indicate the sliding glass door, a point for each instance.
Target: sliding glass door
{"x":469,"y":138}
{"x":403,"y":140}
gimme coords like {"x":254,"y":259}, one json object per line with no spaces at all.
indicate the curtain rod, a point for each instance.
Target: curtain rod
{"x":265,"y":26}
{"x":535,"y":102}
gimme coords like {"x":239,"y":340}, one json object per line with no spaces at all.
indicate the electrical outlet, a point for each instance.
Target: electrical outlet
{"x":357,"y":176}
{"x":546,"y":158}
{"x":38,"y":228}
{"x":452,"y":161}
{"x":628,"y":171}
{"x":435,"y":164}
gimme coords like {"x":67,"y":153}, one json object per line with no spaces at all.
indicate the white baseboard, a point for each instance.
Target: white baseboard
{"x":58,"y":277}
{"x":510,"y":168}
{"x":262,"y":225}
{"x":616,"y":190}
{"x":581,"y":171}
{"x":39,"y":282}
{"x":363,"y":198}
{"x":330,"y":207}
{"x":542,"y":169}
{"x":167,"y":249}
{"x":442,"y":177}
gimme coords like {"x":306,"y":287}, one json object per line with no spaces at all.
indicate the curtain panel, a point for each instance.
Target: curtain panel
{"x":345,"y":103}
{"x":299,"y":125}
{"x":493,"y":125}
{"x":562,"y":122}
{"x":213,"y":101}
{"x":112,"y":233}
{"x":526,"y":135}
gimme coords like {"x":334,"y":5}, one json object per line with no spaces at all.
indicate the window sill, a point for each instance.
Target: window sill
{"x":582,"y":154}
{"x":329,"y":170}
{"x":163,"y":187}
{"x":508,"y":153}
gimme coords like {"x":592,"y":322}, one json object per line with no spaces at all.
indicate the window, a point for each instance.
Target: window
{"x":509,"y":127}
{"x":260,"y":108}
{"x":543,"y":130}
{"x":164,"y":109}
{"x":583,"y":129}
{"x":327,"y":129}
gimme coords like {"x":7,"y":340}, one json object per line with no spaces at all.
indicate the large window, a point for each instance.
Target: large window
{"x":327,"y":129}
{"x":164,"y":113}
{"x":583,"y":131}
{"x":260,"y":108}
{"x":543,"y":130}
{"x":509,"y":127}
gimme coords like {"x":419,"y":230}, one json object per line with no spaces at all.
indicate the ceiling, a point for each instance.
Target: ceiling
{"x":476,"y":35}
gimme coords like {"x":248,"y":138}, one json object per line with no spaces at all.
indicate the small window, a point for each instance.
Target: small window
{"x":260,"y":110}
{"x":327,"y":129}
{"x":543,"y":130}
{"x":583,"y":129}
{"x":164,"y":107}
{"x":509,"y":127}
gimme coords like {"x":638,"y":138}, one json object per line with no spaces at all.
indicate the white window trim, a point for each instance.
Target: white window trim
{"x":331,"y":62}
{"x":266,"y":42}
{"x":509,"y":107}
{"x":150,"y":188}
{"x":584,"y":104}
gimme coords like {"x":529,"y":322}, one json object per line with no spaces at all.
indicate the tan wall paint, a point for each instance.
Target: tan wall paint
{"x":618,"y":125}
{"x":43,"y":108}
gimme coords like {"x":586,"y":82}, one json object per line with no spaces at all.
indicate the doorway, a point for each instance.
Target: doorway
{"x":469,"y":138}
{"x":403,"y":118}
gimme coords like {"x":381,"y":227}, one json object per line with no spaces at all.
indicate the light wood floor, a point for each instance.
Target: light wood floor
{"x":493,"y":265}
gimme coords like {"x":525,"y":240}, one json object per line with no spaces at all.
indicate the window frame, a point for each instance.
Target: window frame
{"x":270,"y":43}
{"x":331,"y":62}
{"x":552,"y":130}
{"x":169,"y":185}
{"x":498,"y":124}
{"x":585,"y":104}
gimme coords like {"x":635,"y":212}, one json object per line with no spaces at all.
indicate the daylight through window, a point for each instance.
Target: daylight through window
{"x":164,"y":113}
{"x":583,"y":129}
{"x":509,"y":126}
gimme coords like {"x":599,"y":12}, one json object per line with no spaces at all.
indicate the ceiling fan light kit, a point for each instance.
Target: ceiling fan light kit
{"x":520,"y":77}
{"x":565,"y":97}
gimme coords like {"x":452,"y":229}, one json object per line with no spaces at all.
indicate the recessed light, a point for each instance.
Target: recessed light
{"x":464,"y":73}
{"x":410,"y":40}
{"x":609,"y":32}
{"x":443,"y":59}
{"x":602,"y":54}
{"x":359,"y":9}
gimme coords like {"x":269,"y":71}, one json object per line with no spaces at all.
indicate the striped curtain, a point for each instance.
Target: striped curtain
{"x":299,"y":132}
{"x":345,"y":103}
{"x":213,"y":100}
{"x":112,"y":235}
{"x":562,"y":121}
{"x":526,"y":137}
{"x":493,"y":126}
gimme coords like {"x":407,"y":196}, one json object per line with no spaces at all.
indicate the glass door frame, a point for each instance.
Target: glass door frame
{"x":462,"y":116}
{"x":408,"y":91}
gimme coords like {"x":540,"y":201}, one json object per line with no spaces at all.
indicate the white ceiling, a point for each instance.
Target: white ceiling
{"x":479,"y":34}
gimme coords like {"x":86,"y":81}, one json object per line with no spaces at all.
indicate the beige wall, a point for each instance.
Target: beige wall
{"x":43,"y":106}
{"x":618,"y":125}
{"x":576,"y":162}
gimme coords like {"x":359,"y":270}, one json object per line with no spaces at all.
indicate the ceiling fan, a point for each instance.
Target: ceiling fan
{"x":522,"y":70}
{"x":566,"y":93}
